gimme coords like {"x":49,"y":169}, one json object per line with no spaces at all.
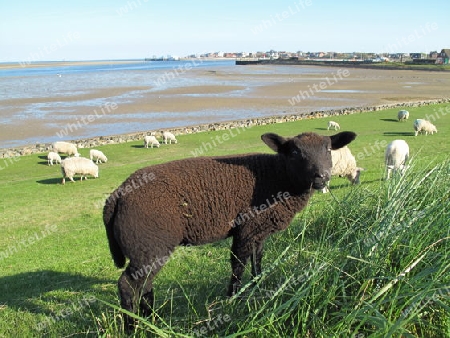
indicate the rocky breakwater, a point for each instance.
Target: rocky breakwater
{"x":139,"y":136}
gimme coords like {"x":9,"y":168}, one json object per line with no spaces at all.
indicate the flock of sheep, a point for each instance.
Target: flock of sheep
{"x":344,"y":163}
{"x":74,"y":164}
{"x":396,"y":154}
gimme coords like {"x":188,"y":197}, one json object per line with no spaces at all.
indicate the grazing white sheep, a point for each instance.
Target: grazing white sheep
{"x":334,"y":125}
{"x":344,"y":165}
{"x":52,"y":156}
{"x":168,"y":136}
{"x":66,"y":148}
{"x":98,"y":155}
{"x":151,"y":140}
{"x":395,"y":157}
{"x":402,"y":115}
{"x":426,"y":126}
{"x":78,"y":165}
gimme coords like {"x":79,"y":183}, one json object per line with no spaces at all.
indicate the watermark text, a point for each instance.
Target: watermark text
{"x":318,"y":87}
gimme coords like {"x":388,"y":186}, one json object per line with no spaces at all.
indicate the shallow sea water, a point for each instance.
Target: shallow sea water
{"x":54,"y":94}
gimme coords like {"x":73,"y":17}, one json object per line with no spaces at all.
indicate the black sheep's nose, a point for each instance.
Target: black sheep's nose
{"x":324,"y":176}
{"x":319,"y":178}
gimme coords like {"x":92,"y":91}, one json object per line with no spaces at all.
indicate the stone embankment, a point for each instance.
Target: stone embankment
{"x":131,"y":137}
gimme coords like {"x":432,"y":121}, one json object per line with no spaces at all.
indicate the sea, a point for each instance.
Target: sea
{"x":44,"y":92}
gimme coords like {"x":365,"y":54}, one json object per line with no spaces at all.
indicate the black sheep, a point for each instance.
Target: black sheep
{"x":201,"y":200}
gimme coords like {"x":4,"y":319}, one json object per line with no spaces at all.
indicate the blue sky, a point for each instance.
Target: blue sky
{"x":134,"y":29}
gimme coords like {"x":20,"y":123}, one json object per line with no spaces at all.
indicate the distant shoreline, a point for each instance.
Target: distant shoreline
{"x":340,"y":63}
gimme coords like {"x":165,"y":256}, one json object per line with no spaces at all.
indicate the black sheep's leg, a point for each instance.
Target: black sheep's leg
{"x":256,"y":258}
{"x":129,"y":289}
{"x":237,"y":268}
{"x":147,"y":302}
{"x":241,"y":251}
{"x":147,"y":298}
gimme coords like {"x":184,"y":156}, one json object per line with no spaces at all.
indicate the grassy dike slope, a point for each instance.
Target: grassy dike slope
{"x":335,"y":271}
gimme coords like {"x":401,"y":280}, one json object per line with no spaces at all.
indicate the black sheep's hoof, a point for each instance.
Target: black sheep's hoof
{"x":130,"y":324}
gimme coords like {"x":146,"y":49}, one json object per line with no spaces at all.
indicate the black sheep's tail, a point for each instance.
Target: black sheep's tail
{"x":109,"y":215}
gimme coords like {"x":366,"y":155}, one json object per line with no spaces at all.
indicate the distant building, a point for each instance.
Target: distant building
{"x":433,"y":55}
{"x":417,"y":55}
{"x":272,"y":54}
{"x":443,"y":57}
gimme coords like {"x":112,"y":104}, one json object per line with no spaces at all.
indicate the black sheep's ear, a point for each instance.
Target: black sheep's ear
{"x":342,"y":139}
{"x":275,"y":142}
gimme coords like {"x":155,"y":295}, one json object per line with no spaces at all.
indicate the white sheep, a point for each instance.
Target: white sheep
{"x":396,"y":156}
{"x":151,"y":140}
{"x":52,"y":156}
{"x":65,"y":147}
{"x":402,"y":115}
{"x":78,"y":165}
{"x":168,"y":136}
{"x":426,"y":126}
{"x":334,"y":125}
{"x":98,"y":155}
{"x":344,"y":165}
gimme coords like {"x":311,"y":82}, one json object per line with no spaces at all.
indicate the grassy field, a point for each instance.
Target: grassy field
{"x":362,"y":261}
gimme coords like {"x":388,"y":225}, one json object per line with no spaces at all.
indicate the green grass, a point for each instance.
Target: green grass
{"x":370,"y":260}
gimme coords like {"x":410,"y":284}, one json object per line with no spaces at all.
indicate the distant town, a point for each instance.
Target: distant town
{"x":433,"y":57}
